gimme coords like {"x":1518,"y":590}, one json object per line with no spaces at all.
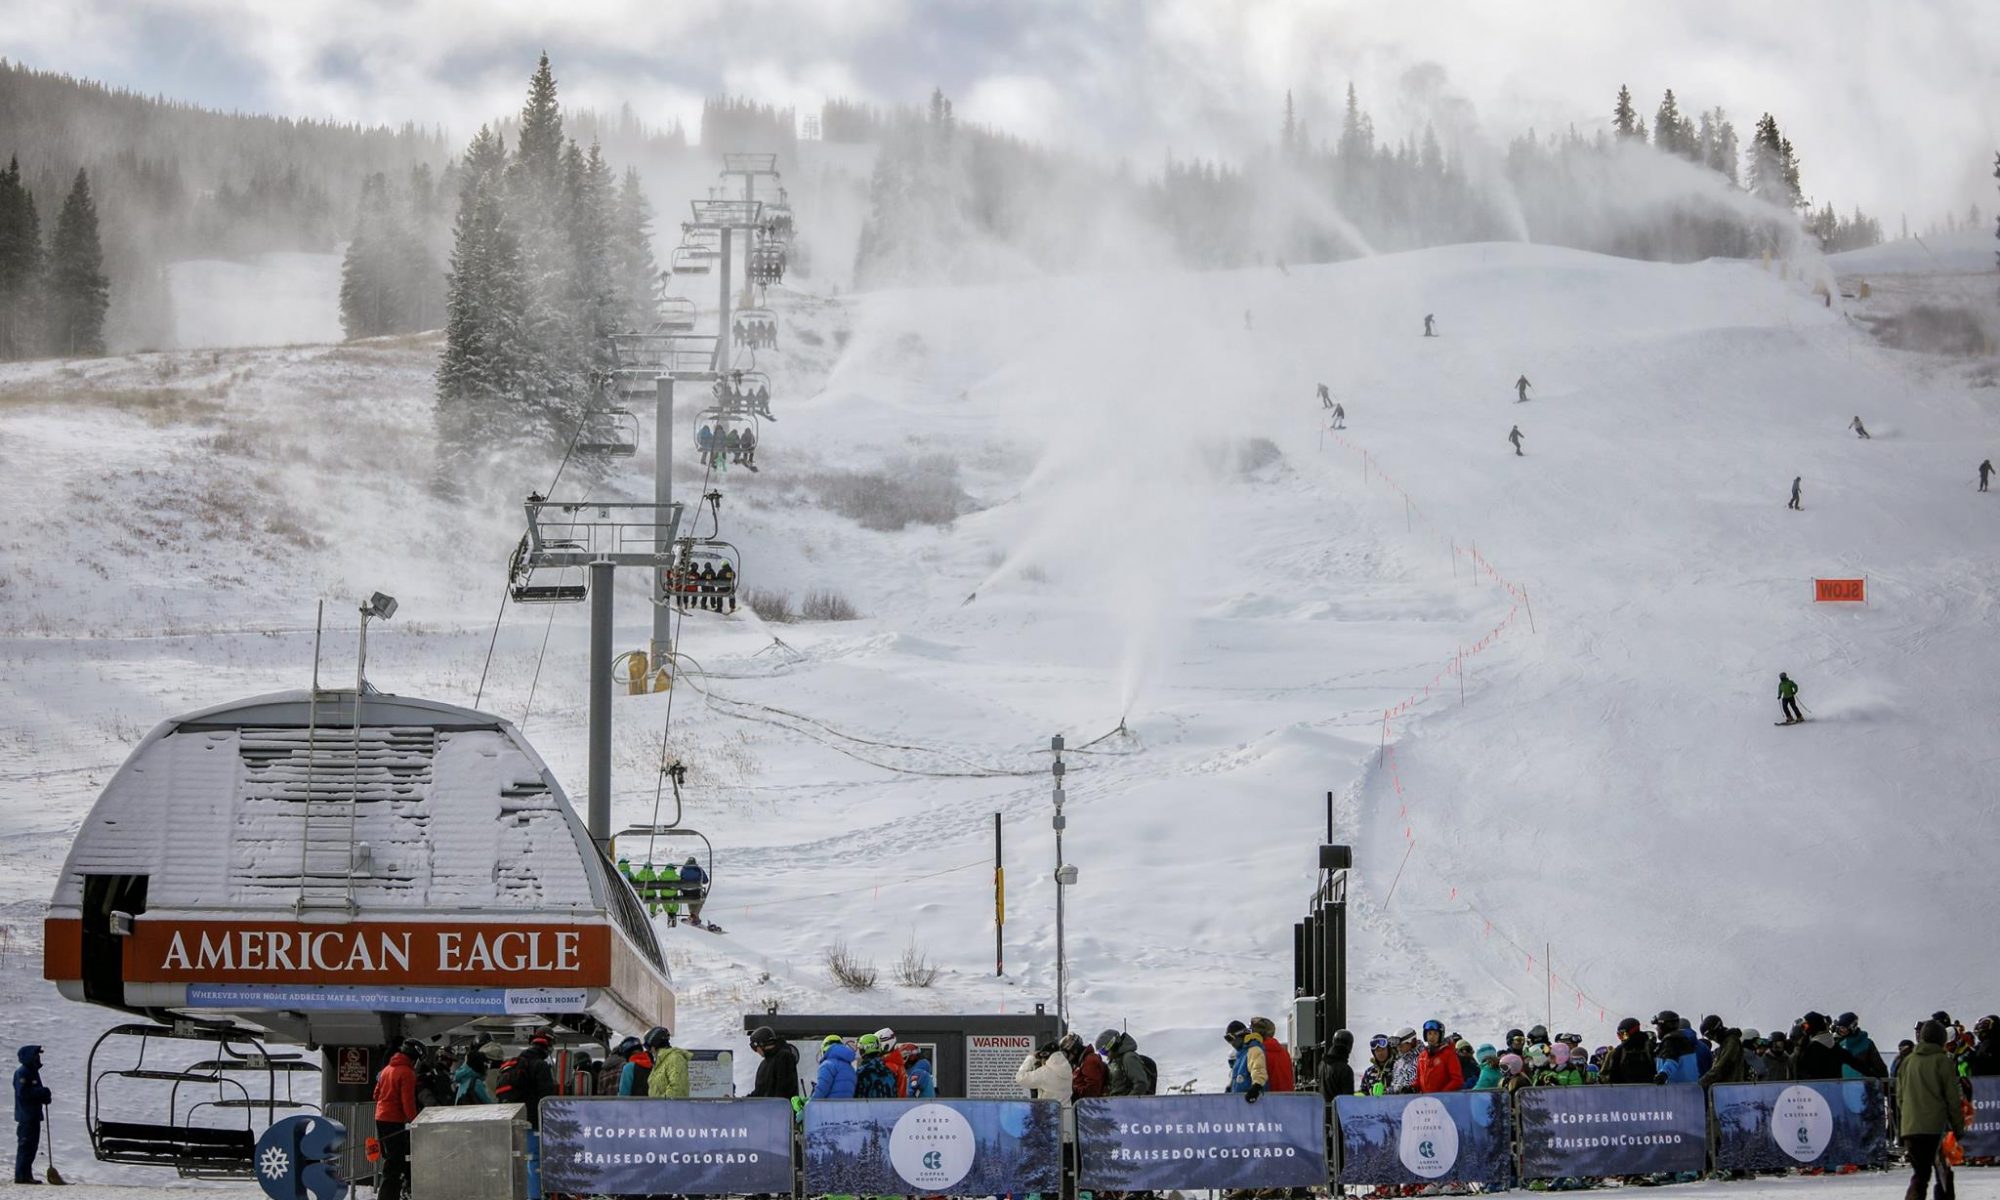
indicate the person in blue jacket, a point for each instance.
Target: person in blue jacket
{"x":836,"y":1070}
{"x":31,"y":1100}
{"x":1703,"y":1052}
{"x":1674,"y":1058}
{"x":1852,"y":1038}
{"x":922,"y":1083}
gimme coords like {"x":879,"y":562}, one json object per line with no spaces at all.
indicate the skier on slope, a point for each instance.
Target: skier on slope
{"x":1794,"y":504}
{"x":1985,"y":472}
{"x":1325,"y":397}
{"x":1515,"y":436}
{"x":1788,"y":699}
{"x":1339,"y":417}
{"x":1428,"y":330}
{"x":1860,"y":430}
{"x":1521,"y":387}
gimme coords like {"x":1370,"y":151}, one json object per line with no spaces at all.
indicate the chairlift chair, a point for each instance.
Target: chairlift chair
{"x":626,"y":849}
{"x":706,"y":576}
{"x":745,"y":392}
{"x":758,"y":328}
{"x":546,"y":585}
{"x":717,"y":423}
{"x":677,"y":314}
{"x":608,"y":432}
{"x":200,"y":1138}
{"x":693,"y":259}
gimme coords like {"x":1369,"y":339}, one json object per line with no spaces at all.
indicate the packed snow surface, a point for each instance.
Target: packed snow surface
{"x":1541,"y":688}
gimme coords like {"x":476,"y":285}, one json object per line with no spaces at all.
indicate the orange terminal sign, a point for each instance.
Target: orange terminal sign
{"x":1840,"y":591}
{"x":450,"y":954}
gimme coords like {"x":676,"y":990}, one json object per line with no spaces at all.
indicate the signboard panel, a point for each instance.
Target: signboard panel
{"x":471,"y":1001}
{"x":1409,"y":1141}
{"x":711,"y":1074}
{"x":933,"y":1147}
{"x":351,"y":1066}
{"x":459,"y":954}
{"x":1190,"y":1143}
{"x":644,"y":1147}
{"x":1809,"y":1123}
{"x":1582,"y":1132}
{"x":1840,"y":591}
{"x":990,"y":1062}
{"x":1982,"y":1133}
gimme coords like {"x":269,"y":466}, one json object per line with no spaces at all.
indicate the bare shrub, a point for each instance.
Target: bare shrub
{"x":915,"y":968}
{"x":923,"y":490}
{"x":848,"y":971}
{"x":825,"y":604}
{"x":771,"y":605}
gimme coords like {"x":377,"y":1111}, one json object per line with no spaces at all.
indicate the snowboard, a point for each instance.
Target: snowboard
{"x":1791,"y":722}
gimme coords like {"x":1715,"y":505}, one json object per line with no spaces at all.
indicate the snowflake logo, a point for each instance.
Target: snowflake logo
{"x":274,"y":1163}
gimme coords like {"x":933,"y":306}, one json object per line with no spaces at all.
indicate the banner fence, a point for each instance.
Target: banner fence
{"x":1191,"y":1143}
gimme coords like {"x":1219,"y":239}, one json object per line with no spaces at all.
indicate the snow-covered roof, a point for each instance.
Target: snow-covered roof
{"x":246,"y":807}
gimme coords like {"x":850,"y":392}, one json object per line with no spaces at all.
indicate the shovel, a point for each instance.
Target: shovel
{"x":54,"y":1176}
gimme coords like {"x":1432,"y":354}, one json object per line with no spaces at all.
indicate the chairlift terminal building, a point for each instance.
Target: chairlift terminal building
{"x":337,"y":878}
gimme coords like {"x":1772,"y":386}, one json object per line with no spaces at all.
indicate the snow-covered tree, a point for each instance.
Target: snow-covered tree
{"x":1625,"y":117}
{"x":78,"y":292}
{"x":20,"y":266}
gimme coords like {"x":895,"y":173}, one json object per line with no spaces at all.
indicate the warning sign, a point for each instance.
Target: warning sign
{"x":1840,"y":591}
{"x":351,"y":1065}
{"x":990,"y":1063}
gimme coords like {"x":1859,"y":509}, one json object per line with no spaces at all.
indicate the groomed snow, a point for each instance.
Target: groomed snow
{"x":1611,"y":785}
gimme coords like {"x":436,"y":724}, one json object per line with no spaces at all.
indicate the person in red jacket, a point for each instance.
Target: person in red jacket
{"x":1438,"y":1069}
{"x":1087,"y":1079}
{"x":1277,"y":1059}
{"x":395,"y":1108}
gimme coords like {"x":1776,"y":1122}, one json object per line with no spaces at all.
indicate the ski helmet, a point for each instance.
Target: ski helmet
{"x":1539,"y":1033}
{"x":1236,"y":1030}
{"x":1405,"y":1034}
{"x":1711,"y":1025}
{"x":1433,"y":1026}
{"x":1846,"y":1020}
{"x":763,"y":1035}
{"x":1106,"y":1040}
{"x":1628,"y":1025}
{"x":870,"y":1044}
{"x":1668,"y":1020}
{"x":659,"y":1037}
{"x":1511,"y":1063}
{"x":627,"y":1048}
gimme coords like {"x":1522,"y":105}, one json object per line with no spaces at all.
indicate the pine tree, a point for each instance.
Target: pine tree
{"x":368,"y":271}
{"x":1667,"y":125}
{"x":20,"y":266}
{"x":1623,"y":115}
{"x":482,"y":372}
{"x":1288,"y":134}
{"x":1774,"y":169}
{"x":634,"y":270}
{"x":1720,"y":150}
{"x":78,"y":292}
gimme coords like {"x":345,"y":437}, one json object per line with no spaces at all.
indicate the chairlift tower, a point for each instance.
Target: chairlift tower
{"x":599,"y":537}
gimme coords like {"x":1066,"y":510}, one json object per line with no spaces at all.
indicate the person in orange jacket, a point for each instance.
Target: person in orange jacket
{"x":395,"y":1108}
{"x":1438,"y":1068}
{"x":1277,"y":1059}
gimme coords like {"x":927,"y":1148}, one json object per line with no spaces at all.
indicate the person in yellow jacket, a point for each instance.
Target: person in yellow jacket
{"x":669,"y":1080}
{"x":1247,"y":1071}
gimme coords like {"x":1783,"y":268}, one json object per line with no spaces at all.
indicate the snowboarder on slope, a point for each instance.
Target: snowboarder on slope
{"x":1515,"y":437}
{"x":1794,"y":504}
{"x":1428,"y":331}
{"x":1985,"y":472}
{"x":1340,"y":420}
{"x":1788,"y":699}
{"x":1521,"y":387}
{"x":1325,"y":397}
{"x":1860,"y":430}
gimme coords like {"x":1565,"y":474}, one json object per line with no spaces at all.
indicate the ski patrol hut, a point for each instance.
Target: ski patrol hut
{"x":338,"y":869}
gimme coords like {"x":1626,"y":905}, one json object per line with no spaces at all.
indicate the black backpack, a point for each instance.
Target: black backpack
{"x":873,"y":1080}
{"x":514,"y":1083}
{"x":1152,"y":1076}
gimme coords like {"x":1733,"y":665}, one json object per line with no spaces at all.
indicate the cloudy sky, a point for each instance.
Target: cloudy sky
{"x":1892,"y":104}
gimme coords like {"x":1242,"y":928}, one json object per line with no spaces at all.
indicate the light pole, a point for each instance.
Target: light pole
{"x":381,"y":608}
{"x":1065,"y":876}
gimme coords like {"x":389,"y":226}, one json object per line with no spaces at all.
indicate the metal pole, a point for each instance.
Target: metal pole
{"x":999,"y":904}
{"x":1062,"y":964}
{"x":663,"y":496}
{"x":598,"y":816}
{"x":361,"y":662}
{"x":723,"y":353}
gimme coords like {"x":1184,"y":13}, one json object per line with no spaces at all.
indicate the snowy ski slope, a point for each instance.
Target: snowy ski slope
{"x":1164,"y":536}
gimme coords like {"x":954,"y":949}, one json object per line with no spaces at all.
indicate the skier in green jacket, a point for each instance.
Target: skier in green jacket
{"x":1788,"y":698}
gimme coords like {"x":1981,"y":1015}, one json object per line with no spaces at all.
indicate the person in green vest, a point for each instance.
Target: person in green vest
{"x":669,"y":1080}
{"x":645,"y":880}
{"x":670,"y":892}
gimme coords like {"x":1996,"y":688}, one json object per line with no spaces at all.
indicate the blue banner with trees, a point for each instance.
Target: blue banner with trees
{"x":933,"y":1147}
{"x":1982,"y":1133}
{"x":643,"y":1147}
{"x":1807,"y":1123}
{"x":1448,"y":1137}
{"x":1634,"y":1129}
{"x":1189,"y":1143}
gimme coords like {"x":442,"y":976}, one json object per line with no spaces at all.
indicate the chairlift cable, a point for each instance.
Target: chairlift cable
{"x":536,"y":681}
{"x":507,"y":589}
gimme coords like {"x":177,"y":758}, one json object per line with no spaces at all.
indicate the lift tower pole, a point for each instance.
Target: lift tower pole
{"x":663,"y":498}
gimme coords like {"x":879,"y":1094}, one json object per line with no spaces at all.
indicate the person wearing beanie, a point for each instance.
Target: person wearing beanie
{"x":1929,"y":1105}
{"x":1336,"y":1074}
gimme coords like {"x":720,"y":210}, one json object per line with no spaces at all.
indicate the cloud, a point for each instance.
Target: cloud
{"x":1888,"y":104}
